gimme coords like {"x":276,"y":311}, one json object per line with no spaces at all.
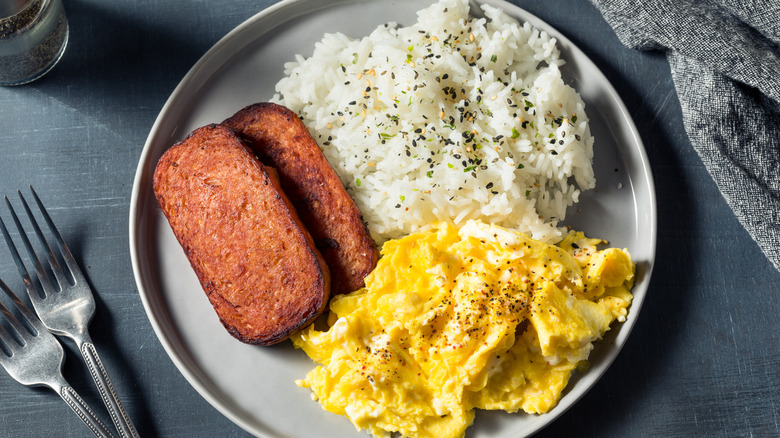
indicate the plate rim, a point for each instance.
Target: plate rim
{"x":142,"y":181}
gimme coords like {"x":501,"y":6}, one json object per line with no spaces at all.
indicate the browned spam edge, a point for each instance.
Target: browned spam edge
{"x":322,"y":282}
{"x":318,"y":300}
{"x":280,"y":139}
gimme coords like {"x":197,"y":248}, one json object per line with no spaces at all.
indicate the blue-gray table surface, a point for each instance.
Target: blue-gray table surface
{"x":702,"y":360}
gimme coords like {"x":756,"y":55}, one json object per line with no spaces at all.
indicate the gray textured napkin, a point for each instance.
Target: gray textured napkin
{"x":725,"y":62}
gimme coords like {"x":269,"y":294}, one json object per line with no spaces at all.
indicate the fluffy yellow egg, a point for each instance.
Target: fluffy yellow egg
{"x":457,"y":319}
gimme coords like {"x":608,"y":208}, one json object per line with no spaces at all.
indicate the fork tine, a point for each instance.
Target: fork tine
{"x":7,"y":340}
{"x":26,"y":241}
{"x":46,"y":282}
{"x":28,"y":283}
{"x":67,"y":256}
{"x":53,"y":262}
{"x":30,"y":325}
{"x":6,"y":350}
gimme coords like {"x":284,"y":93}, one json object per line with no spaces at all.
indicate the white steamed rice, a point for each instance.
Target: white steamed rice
{"x":452,"y":118}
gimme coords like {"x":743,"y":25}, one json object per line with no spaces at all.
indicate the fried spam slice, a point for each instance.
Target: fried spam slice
{"x":280,"y":139}
{"x":255,"y":260}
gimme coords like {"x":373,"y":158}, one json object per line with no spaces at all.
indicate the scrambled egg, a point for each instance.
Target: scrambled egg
{"x":453,"y":320}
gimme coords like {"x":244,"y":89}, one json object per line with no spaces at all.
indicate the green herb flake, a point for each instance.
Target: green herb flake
{"x":429,"y":174}
{"x":354,"y":58}
{"x":515,"y":134}
{"x":493,"y":58}
{"x":521,"y":166}
{"x":357,"y":182}
{"x":574,"y":118}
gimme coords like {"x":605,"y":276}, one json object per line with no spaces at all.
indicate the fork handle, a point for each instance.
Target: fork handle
{"x":110,"y":397}
{"x":84,"y":412}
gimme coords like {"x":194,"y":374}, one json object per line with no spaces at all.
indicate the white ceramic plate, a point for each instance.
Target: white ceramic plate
{"x":253,"y":386}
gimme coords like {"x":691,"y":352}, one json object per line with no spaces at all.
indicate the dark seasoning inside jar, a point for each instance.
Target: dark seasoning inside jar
{"x":33,"y":36}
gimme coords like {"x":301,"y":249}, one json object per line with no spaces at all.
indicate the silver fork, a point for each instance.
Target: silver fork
{"x":34,"y":357}
{"x":65,"y":305}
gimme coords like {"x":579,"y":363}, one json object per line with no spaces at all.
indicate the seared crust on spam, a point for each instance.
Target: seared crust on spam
{"x":253,"y":257}
{"x":281,"y":140}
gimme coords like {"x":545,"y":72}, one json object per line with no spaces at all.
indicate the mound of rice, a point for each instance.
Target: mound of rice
{"x":452,"y":118}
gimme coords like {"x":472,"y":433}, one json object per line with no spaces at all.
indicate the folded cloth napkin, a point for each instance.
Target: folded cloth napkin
{"x":725,"y":62}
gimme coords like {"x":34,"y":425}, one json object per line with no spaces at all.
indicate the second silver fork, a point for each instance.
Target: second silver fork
{"x":65,"y":303}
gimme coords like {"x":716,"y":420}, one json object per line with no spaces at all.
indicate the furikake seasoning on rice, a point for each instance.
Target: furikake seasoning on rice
{"x":455,"y":117}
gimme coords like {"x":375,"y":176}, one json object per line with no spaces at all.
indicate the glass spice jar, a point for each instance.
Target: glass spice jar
{"x":33,"y":37}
